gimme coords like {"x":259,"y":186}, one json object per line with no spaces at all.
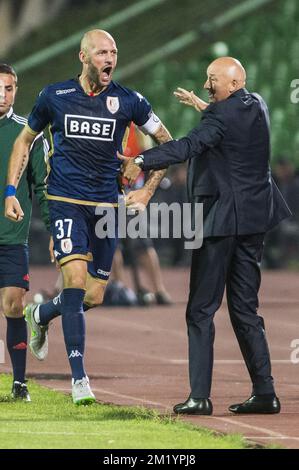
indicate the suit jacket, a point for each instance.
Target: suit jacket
{"x":229,"y":170}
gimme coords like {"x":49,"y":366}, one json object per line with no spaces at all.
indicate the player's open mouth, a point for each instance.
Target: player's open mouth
{"x":106,"y":73}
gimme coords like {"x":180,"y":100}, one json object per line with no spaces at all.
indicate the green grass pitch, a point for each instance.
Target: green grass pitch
{"x":51,"y":421}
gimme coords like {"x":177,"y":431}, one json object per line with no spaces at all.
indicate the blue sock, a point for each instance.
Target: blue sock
{"x":73,"y":324}
{"x":53,"y":309}
{"x":50,"y":310}
{"x":16,"y":340}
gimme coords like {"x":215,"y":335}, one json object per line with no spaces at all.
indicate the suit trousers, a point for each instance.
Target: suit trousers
{"x":232,"y":262}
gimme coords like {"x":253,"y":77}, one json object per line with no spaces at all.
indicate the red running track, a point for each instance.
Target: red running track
{"x":138,"y":356}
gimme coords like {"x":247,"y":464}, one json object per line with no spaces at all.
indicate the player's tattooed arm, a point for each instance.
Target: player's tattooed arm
{"x":23,"y":164}
{"x":16,"y":166}
{"x":19,"y":157}
{"x":160,"y":137}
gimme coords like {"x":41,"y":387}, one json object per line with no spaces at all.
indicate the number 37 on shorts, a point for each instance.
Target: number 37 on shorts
{"x":74,"y":235}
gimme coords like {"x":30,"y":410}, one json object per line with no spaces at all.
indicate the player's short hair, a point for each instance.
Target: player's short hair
{"x":5,"y":68}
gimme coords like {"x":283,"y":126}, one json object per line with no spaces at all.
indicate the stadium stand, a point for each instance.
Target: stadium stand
{"x":268,"y":49}
{"x":259,"y":38}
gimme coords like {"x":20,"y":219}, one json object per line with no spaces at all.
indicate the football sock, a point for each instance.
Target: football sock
{"x":16,"y":340}
{"x":73,"y":324}
{"x":52,"y":309}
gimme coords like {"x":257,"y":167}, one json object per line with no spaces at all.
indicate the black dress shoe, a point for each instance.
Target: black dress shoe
{"x":261,"y":404}
{"x":193,"y":406}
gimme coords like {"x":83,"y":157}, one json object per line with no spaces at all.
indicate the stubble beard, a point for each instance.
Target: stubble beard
{"x":93,"y":77}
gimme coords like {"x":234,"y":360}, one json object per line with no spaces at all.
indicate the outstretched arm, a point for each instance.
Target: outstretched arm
{"x":208,"y":133}
{"x":17,"y":163}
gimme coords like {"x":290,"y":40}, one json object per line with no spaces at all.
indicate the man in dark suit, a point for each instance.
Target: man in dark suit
{"x":229,"y":172}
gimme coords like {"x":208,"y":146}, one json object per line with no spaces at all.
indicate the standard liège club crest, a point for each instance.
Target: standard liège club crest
{"x":66,"y":245}
{"x":112,"y":104}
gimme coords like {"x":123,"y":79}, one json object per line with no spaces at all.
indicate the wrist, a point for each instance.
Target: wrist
{"x":139,"y":161}
{"x":10,"y":190}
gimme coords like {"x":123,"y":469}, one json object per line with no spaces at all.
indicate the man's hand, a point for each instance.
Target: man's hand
{"x":139,"y":199}
{"x":190,"y":99}
{"x":129,"y":170}
{"x":13,"y":210}
{"x":51,"y":250}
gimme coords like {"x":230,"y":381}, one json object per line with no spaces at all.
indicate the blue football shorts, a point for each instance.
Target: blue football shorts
{"x":79,"y":232}
{"x":14,"y":266}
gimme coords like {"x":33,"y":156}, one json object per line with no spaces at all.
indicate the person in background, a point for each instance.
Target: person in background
{"x":14,"y":263}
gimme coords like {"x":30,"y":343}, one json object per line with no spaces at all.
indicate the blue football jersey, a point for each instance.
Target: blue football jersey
{"x":87,"y":132}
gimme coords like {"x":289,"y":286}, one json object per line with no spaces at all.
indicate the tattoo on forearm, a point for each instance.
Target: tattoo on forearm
{"x":154,"y":180}
{"x":155,"y":177}
{"x":162,"y":135}
{"x":22,"y":167}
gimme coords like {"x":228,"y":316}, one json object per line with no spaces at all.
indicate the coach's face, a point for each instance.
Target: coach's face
{"x":100,"y":58}
{"x":218,"y":84}
{"x":8,"y":91}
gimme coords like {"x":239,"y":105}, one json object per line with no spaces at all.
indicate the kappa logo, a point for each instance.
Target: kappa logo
{"x":75,"y":353}
{"x":140,"y":96}
{"x":112,"y":103}
{"x":86,"y":127}
{"x":66,"y":245}
{"x":104,"y":273}
{"x":64,"y":92}
{"x":57,"y":300}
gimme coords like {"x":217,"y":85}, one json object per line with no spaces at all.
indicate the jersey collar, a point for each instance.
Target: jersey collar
{"x":10,"y":113}
{"x":6,"y":117}
{"x":96,"y":96}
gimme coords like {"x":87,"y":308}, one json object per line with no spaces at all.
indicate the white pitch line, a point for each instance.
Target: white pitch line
{"x":100,"y":433}
{"x":63,"y":433}
{"x":269,"y":437}
{"x":183,"y":361}
{"x":231,"y":361}
{"x":270,"y":433}
{"x":119,"y":395}
{"x":101,"y":390}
